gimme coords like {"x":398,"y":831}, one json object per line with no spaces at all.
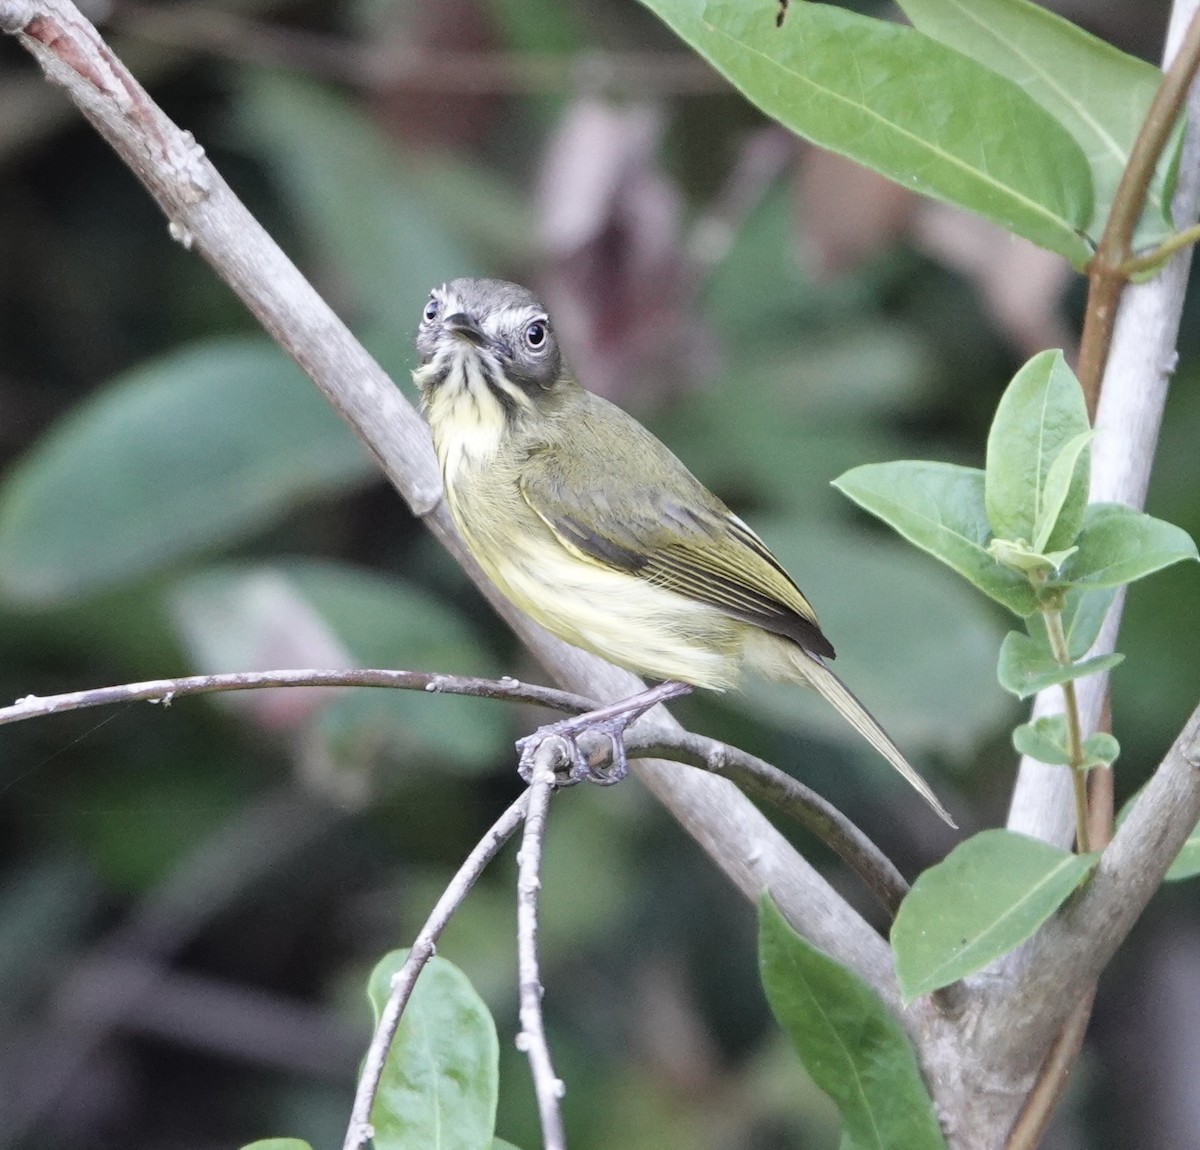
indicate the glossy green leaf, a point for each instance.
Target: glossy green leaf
{"x":441,"y":1077}
{"x":1027,"y":666}
{"x":850,"y":1044}
{"x":247,"y":617}
{"x":1041,"y":415}
{"x":500,"y":1144}
{"x":940,"y":508}
{"x":278,"y":1144}
{"x":1044,"y":739}
{"x":863,"y":87}
{"x":984,"y":899}
{"x":1097,"y":92}
{"x":185,"y":454}
{"x":1119,"y":545}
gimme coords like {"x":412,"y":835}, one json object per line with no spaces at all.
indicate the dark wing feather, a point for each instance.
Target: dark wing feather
{"x":677,"y":534}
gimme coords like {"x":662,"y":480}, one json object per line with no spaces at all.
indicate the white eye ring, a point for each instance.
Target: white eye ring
{"x":537,"y":334}
{"x":431,"y":309}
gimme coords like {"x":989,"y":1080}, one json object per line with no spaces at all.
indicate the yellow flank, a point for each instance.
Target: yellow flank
{"x":620,"y":617}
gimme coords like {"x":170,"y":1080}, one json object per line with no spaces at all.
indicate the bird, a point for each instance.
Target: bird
{"x":592,"y":526}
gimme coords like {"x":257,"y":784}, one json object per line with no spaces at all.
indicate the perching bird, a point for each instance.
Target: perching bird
{"x":593,"y":528}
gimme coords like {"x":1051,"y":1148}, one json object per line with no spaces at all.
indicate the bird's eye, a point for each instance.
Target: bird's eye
{"x":536,"y":334}
{"x":431,"y":309}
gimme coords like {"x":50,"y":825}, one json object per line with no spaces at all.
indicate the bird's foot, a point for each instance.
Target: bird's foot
{"x":587,"y":765}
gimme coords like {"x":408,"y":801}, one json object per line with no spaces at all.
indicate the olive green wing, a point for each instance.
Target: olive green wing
{"x":672,"y":532}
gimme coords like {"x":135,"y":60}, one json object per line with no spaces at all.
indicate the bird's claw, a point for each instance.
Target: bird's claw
{"x":584,"y":767}
{"x":610,"y":722}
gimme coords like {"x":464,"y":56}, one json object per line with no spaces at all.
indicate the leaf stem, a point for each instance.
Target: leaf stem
{"x":1158,"y":256}
{"x":1052,"y":614}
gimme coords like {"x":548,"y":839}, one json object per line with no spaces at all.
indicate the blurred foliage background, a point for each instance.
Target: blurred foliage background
{"x":191,"y":897}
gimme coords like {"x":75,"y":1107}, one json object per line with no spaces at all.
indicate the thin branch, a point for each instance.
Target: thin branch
{"x":424,"y":945}
{"x":1040,"y":1105}
{"x":165,"y":691}
{"x":1154,"y":259}
{"x":543,"y":759}
{"x":1106,"y":272}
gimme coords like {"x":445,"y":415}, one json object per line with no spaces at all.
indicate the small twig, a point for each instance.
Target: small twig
{"x":1155,"y":258}
{"x":544,"y":759}
{"x":1107,"y":271}
{"x":424,"y":945}
{"x":1052,"y":616}
{"x":1040,"y":1105}
{"x":166,"y":690}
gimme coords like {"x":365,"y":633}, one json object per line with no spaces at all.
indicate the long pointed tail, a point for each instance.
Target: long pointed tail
{"x":822,"y":679}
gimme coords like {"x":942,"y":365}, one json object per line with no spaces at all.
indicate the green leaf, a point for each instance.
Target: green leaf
{"x":1062,"y":483}
{"x":183,"y":455}
{"x":1027,"y":666}
{"x":1097,"y":92}
{"x":441,"y":1077}
{"x":1100,"y":750}
{"x":847,"y":1040}
{"x":277,"y":1144}
{"x":1044,"y":739}
{"x":939,"y":507}
{"x":984,"y":899}
{"x":1041,"y":414}
{"x":500,"y":1144}
{"x":864,"y":88}
{"x":1119,"y":545}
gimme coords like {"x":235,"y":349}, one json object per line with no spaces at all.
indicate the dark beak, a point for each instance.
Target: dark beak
{"x":463,"y":326}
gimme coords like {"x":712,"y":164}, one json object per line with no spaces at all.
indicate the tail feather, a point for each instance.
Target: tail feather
{"x":823,"y":680}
